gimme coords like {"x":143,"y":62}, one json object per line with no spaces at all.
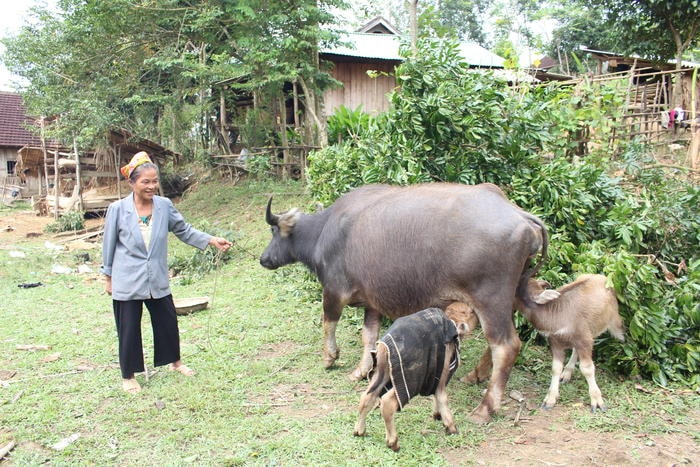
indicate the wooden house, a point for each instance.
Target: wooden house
{"x":14,"y":135}
{"x":70,"y":179}
{"x":366,"y":61}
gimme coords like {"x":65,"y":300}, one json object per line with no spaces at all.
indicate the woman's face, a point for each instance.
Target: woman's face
{"x":146,"y":184}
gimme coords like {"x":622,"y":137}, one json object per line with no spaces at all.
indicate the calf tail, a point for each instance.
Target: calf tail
{"x":617,"y":329}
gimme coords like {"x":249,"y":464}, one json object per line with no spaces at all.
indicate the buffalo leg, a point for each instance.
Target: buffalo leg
{"x":390,"y":405}
{"x":570,"y":367}
{"x":504,"y":344}
{"x":588,"y":370}
{"x":481,"y":371}
{"x":557,"y":366}
{"x":332,"y":308}
{"x":370,"y":334}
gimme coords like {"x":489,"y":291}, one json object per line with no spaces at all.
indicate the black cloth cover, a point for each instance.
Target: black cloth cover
{"x":416,"y":347}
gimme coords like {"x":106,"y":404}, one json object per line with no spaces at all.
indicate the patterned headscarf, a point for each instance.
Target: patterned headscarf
{"x":139,"y":158}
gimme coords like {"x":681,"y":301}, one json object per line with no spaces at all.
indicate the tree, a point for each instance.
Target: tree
{"x":656,"y":29}
{"x":151,"y":66}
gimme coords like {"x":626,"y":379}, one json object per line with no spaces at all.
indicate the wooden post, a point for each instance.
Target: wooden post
{"x":286,"y":159}
{"x":78,"y":182}
{"x":117,"y":158}
{"x":55,"y":184}
{"x":694,"y":148}
{"x":223,"y":119}
{"x":43,"y":151}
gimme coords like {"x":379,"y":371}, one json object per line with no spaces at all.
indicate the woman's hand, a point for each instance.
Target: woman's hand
{"x":108,"y":284}
{"x":221,"y":243}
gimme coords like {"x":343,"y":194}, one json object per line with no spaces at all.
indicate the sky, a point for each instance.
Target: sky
{"x":13,"y":14}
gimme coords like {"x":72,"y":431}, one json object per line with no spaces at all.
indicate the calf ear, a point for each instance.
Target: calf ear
{"x":546,"y":296}
{"x":463,"y":330}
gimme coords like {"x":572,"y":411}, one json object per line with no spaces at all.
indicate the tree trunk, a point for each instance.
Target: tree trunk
{"x":413,"y":23}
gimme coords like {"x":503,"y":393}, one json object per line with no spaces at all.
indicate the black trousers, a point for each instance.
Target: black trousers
{"x":166,"y":335}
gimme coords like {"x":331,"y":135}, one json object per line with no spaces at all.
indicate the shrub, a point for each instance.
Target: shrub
{"x":71,"y":220}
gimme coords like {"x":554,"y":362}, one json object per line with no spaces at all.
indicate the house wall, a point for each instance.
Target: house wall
{"x":360,"y":89}
{"x":6,"y":154}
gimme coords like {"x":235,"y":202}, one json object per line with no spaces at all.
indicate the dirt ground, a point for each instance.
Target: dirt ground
{"x":541,"y":438}
{"x":550,"y":438}
{"x":21,"y":226}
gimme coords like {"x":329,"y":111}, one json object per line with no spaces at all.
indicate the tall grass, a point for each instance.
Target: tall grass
{"x":261,"y":395}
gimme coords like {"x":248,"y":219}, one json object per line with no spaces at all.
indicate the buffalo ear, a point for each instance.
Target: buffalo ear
{"x":269,"y":217}
{"x":287,"y":221}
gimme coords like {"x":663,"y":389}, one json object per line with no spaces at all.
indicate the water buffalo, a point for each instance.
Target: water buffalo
{"x":397,"y":250}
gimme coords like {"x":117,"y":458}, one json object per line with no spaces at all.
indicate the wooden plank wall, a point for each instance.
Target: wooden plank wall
{"x":359,"y":88}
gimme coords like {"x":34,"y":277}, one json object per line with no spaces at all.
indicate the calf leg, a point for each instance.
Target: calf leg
{"x":481,"y":371}
{"x":557,"y":366}
{"x":569,"y":368}
{"x":390,"y":405}
{"x":370,"y":334}
{"x":588,"y":371}
{"x":442,"y":409}
{"x":370,"y":398}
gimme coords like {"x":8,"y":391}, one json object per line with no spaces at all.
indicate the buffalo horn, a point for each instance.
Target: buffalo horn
{"x":269,"y":217}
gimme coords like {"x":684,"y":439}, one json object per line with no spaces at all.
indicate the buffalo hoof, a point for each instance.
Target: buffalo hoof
{"x":393,"y":446}
{"x":329,"y":359}
{"x":359,"y":433}
{"x":451,"y":430}
{"x":546,"y":406}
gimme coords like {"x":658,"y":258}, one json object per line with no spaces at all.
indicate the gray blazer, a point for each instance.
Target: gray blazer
{"x":139,"y":273}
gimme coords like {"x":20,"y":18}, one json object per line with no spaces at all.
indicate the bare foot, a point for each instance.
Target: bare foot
{"x":131,"y":386}
{"x":182,"y":369}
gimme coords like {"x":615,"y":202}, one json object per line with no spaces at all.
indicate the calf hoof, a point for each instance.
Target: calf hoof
{"x":394,"y":446}
{"x":451,"y":430}
{"x":357,"y":432}
{"x":470,"y":378}
{"x":546,"y":406}
{"x":599,"y":408}
{"x":480,"y":415}
{"x":437,"y":416}
{"x":357,"y":375}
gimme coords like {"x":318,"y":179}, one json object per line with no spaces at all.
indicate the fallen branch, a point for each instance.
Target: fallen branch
{"x":32,"y":347}
{"x":5,"y":450}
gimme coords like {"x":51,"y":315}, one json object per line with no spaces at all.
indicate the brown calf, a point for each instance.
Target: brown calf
{"x":571,"y":317}
{"x":418,"y":355}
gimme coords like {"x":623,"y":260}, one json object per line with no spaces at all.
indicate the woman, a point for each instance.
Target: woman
{"x":134,"y":262}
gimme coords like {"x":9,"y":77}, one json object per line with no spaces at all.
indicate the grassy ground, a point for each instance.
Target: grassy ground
{"x":261,"y":395}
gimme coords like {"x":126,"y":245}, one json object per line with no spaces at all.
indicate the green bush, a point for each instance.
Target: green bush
{"x":72,"y":220}
{"x":609,"y":209}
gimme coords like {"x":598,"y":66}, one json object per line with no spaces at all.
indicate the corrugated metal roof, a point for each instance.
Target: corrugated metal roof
{"x":386,"y":47}
{"x":13,"y":121}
